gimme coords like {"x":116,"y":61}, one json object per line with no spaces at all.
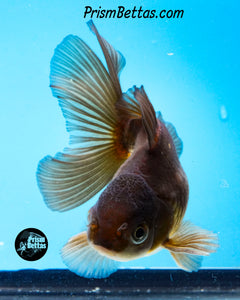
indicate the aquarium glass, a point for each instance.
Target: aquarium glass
{"x":189,"y":67}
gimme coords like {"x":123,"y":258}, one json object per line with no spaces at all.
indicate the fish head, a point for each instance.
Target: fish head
{"x":123,"y":223}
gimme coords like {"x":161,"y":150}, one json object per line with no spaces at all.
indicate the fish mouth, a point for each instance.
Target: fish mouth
{"x":102,"y":250}
{"x":108,"y":253}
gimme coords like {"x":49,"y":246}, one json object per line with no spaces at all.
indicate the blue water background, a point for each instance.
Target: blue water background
{"x":190,"y":70}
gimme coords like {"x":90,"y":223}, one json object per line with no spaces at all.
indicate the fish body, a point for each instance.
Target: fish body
{"x":156,"y":195}
{"x":116,"y":137}
{"x":168,"y":179}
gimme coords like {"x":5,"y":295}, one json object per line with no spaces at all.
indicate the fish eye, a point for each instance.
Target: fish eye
{"x":140,"y":234}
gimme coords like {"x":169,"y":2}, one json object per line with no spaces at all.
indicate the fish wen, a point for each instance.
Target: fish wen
{"x":117,"y":139}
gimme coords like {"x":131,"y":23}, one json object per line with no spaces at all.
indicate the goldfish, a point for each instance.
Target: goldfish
{"x":117,"y":140}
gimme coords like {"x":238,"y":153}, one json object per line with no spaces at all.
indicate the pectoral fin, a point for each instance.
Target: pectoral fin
{"x":188,"y":244}
{"x":187,"y":262}
{"x":82,"y":259}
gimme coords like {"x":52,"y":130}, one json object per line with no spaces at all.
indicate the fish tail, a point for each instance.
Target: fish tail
{"x":114,"y":59}
{"x":87,"y":95}
{"x":188,"y":244}
{"x":134,"y":104}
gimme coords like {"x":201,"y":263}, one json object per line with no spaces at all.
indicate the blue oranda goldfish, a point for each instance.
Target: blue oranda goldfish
{"x":116,"y":137}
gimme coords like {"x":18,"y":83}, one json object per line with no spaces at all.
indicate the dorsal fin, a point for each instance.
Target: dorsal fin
{"x":148,"y":115}
{"x":172,"y":130}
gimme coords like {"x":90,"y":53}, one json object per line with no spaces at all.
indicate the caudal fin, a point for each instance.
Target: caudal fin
{"x":114,"y":59}
{"x":188,"y":244}
{"x":87,"y":96}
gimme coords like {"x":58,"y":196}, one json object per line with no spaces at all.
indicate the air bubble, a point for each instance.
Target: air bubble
{"x":224,"y":184}
{"x":223,"y":113}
